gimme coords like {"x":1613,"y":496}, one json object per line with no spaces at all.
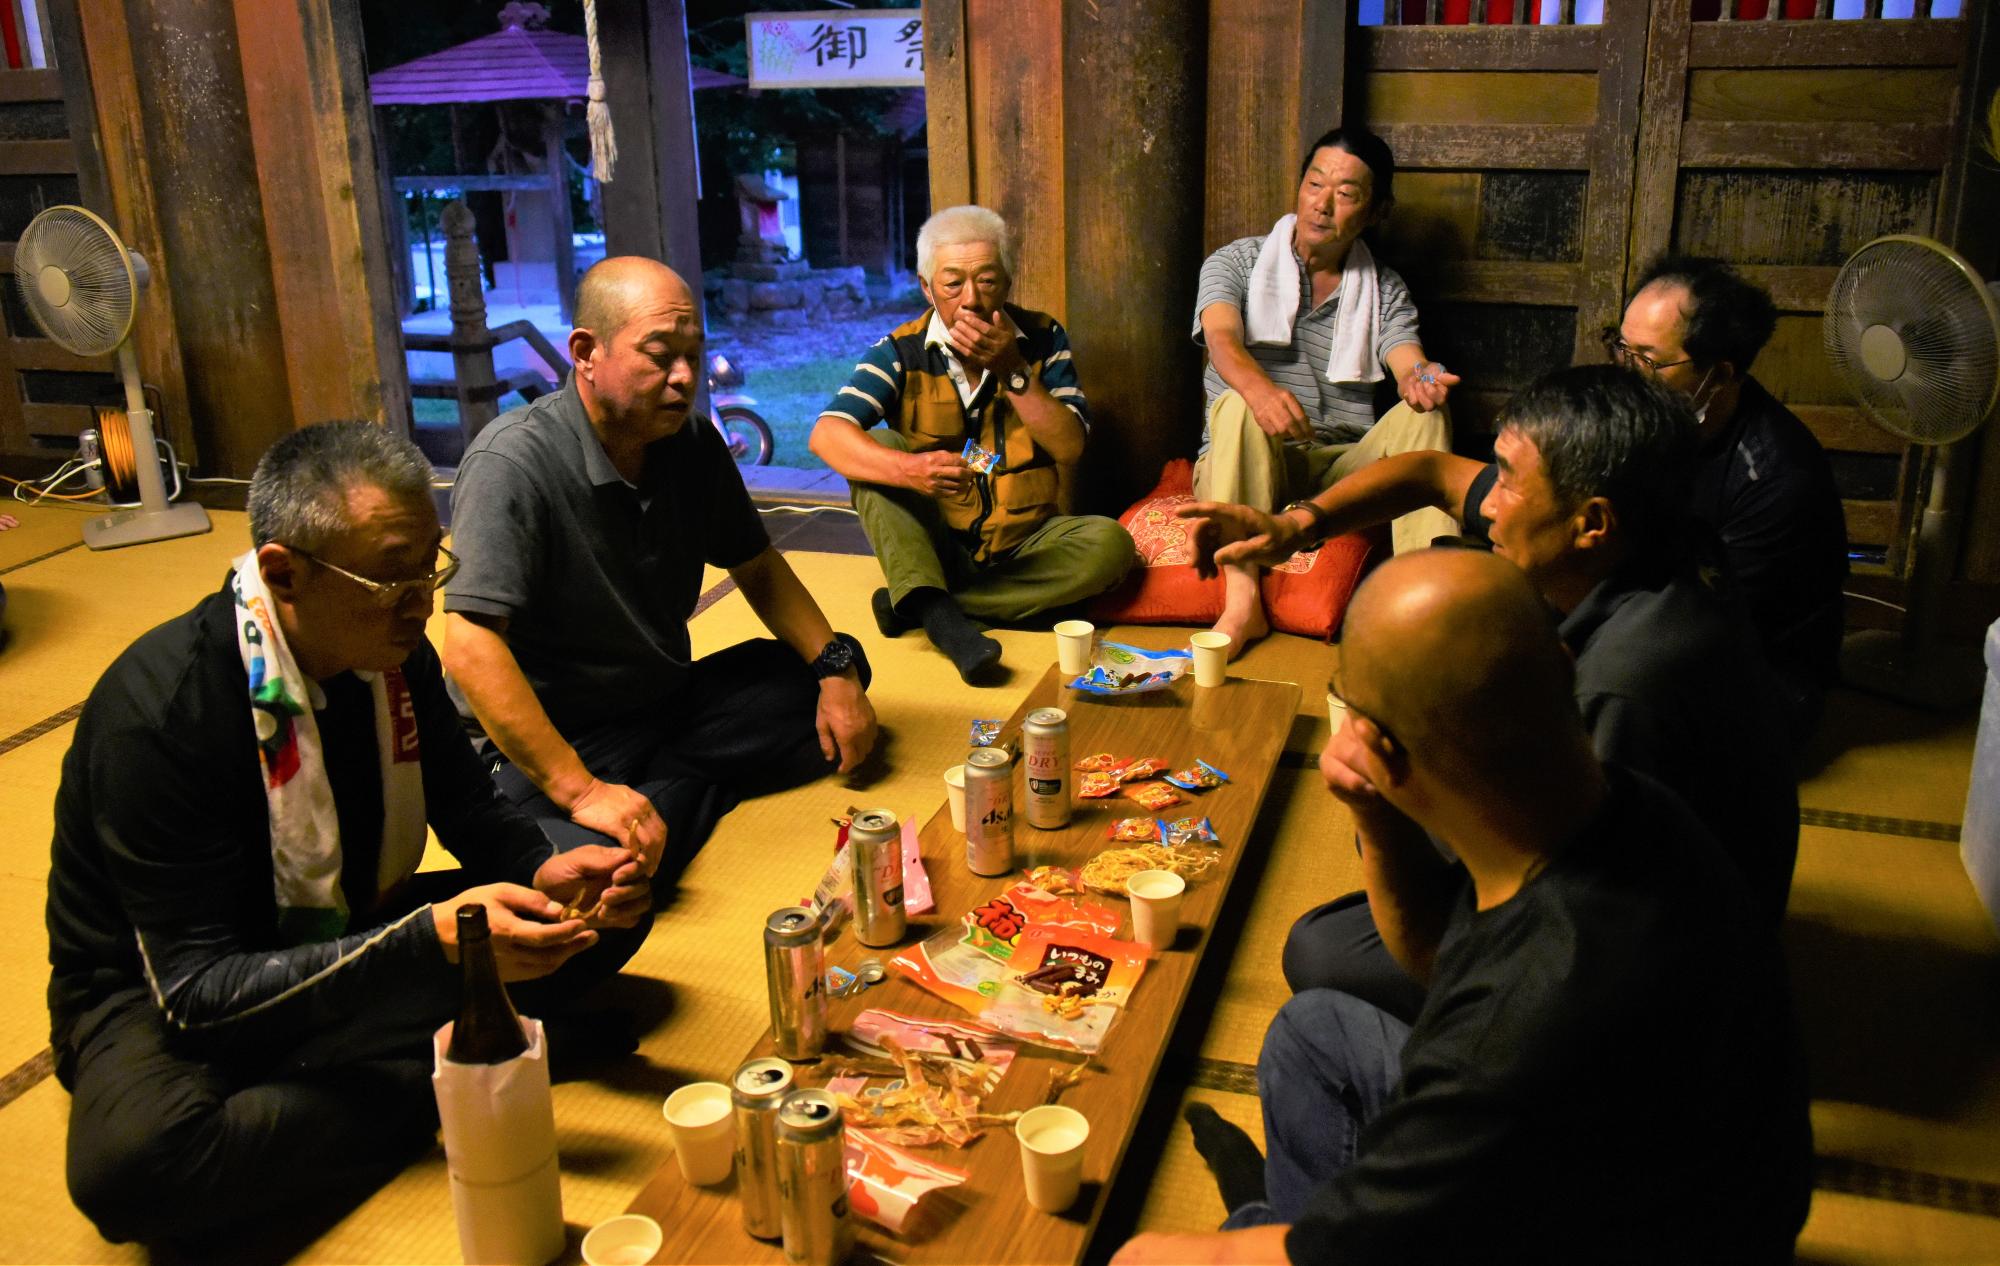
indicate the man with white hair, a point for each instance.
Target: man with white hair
{"x":959,"y":492}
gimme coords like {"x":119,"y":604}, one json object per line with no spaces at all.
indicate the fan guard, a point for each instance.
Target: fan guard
{"x":78,"y":280}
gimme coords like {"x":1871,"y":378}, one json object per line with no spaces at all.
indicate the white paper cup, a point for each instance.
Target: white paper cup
{"x":1156,"y":906}
{"x":1336,"y":712}
{"x":954,"y":794}
{"x":1052,"y":1139}
{"x":1211,"y":658}
{"x":703,"y":1124}
{"x":631,"y":1240}
{"x":1073,"y":639}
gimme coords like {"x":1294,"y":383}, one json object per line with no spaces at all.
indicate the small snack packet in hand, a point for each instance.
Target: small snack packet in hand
{"x":980,"y":459}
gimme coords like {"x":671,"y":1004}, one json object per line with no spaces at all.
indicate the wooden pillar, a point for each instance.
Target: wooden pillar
{"x":395,"y":222}
{"x":312,"y":129}
{"x":558,"y":165}
{"x":1132,"y":127}
{"x":203,"y":171}
{"x":650,"y":202}
{"x":471,"y":341}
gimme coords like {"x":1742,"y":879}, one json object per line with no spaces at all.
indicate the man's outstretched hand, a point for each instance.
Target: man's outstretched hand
{"x":1426,"y":385}
{"x":1228,"y":535}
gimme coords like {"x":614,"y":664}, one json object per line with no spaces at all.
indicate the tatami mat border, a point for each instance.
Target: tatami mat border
{"x":1912,"y":828}
{"x":30,"y":1074}
{"x":41,"y":727}
{"x":1224,"y":1074}
{"x":1907,"y":1186}
{"x":30,"y":562}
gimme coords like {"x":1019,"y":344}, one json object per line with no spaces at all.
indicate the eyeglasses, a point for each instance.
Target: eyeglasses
{"x":1624,"y":353}
{"x":390,"y":595}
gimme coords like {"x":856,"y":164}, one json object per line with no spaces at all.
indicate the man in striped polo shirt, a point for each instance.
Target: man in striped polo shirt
{"x":1297,"y":339}
{"x":960,"y":492}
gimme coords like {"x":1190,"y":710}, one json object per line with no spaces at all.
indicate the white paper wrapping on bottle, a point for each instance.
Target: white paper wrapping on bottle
{"x":500,"y":1147}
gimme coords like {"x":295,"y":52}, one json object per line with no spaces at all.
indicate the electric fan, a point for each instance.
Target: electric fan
{"x":81,"y":286}
{"x":1914,"y":334}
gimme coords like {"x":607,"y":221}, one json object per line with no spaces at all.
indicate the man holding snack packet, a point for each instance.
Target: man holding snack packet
{"x":960,"y":492}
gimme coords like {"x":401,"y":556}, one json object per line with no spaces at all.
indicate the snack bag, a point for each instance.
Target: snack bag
{"x":1097,"y":786}
{"x":1119,"y":669}
{"x":974,"y":974}
{"x":1200,"y":776}
{"x":995,"y":927}
{"x":1059,"y":880}
{"x":979,"y":459}
{"x":884,"y":1182}
{"x":984,"y":732}
{"x":1138,"y":769}
{"x":1186,"y":831}
{"x":1135,"y":830}
{"x":1154,"y":795}
{"x":1102,"y":763}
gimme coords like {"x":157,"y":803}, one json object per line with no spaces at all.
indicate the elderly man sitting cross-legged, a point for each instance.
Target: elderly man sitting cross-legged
{"x":246,"y":974}
{"x":1588,"y":496}
{"x":1606,"y":1069}
{"x":985,"y":540}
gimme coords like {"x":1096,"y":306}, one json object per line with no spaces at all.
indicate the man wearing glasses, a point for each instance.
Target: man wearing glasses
{"x":247,"y":967}
{"x":1762,"y":482}
{"x":957,"y":432}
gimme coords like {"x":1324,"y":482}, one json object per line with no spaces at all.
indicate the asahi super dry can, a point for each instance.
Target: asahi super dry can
{"x":1045,"y":768}
{"x":756,"y":1091}
{"x":794,"y":969}
{"x":875,"y":855}
{"x":812,"y":1178}
{"x":989,"y":811}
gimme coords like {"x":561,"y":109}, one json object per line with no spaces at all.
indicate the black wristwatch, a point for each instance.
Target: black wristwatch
{"x":834,"y":658}
{"x":1017,"y":382}
{"x":1317,"y":532}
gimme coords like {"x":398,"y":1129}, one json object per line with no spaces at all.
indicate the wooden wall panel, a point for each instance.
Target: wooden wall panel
{"x":1015,"y":57}
{"x":1806,"y":217}
{"x":1253,"y":118}
{"x":1832,"y":95}
{"x":1481,"y":97}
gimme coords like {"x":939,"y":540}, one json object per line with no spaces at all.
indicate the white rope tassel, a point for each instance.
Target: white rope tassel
{"x":603,"y":143}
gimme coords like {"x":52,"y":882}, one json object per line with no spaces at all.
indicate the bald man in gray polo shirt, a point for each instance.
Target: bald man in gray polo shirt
{"x":1281,"y":425}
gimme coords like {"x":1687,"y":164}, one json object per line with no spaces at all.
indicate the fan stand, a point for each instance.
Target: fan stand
{"x":155,"y":519}
{"x":1908,"y":665}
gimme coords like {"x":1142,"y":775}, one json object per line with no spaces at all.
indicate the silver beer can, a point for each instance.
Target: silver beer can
{"x":795,"y":971}
{"x":812,"y":1179}
{"x":989,"y":811}
{"x":875,"y":856}
{"x":756,"y":1091}
{"x":1045,"y":768}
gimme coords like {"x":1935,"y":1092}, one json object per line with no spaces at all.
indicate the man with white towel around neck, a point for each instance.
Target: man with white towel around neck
{"x":1297,"y":339}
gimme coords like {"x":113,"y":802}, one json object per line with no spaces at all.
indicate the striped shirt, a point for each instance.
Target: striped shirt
{"x":1339,"y":412}
{"x":875,"y":390}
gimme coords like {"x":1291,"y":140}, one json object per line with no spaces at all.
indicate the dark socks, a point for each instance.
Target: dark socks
{"x":886,"y":619}
{"x":970,"y":651}
{"x":1234,"y":1160}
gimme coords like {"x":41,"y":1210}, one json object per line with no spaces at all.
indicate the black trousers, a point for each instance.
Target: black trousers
{"x":169,"y":1149}
{"x":1336,"y":946}
{"x":743,"y":727}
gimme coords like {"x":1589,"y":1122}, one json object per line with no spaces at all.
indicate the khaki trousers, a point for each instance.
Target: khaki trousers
{"x":1245,"y":465}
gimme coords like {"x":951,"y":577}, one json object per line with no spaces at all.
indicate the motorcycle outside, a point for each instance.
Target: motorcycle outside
{"x":743,"y":428}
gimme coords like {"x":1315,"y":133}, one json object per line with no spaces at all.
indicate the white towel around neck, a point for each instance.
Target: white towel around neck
{"x":1273,"y":305}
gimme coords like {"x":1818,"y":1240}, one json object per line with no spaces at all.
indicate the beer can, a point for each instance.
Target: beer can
{"x":1045,"y":768}
{"x":989,"y":811}
{"x":755,"y":1092}
{"x":875,"y":856}
{"x":795,"y":972}
{"x":812,"y":1179}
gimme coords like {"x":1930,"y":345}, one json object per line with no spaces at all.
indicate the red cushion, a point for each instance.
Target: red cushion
{"x":1307,"y":595}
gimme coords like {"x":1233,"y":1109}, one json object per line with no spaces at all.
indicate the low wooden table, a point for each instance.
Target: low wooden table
{"x":1240,"y":727}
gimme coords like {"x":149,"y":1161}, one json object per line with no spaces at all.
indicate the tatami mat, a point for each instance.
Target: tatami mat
{"x":1894,"y":958}
{"x":41,"y":530}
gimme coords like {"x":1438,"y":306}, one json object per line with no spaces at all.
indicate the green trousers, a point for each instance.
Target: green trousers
{"x":1068,"y":558}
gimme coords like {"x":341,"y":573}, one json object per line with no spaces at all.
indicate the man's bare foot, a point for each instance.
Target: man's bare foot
{"x":1243,"y":616}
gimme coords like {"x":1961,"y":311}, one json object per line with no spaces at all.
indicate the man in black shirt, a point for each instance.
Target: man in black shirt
{"x":585,"y":520}
{"x":1762,"y":484}
{"x":1587,"y":497}
{"x":1605,"y":1069}
{"x":245,"y":972}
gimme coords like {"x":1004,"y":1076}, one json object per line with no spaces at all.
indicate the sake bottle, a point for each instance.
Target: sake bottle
{"x":488,"y":1030}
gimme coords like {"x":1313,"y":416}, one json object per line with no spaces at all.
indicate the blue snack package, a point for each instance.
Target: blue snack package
{"x":984,"y":732}
{"x":979,"y":459}
{"x":1184,"y":831}
{"x":1200,"y":776}
{"x":1122,"y":669}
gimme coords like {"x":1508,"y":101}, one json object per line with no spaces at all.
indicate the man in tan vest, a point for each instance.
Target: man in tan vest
{"x":959,"y":492}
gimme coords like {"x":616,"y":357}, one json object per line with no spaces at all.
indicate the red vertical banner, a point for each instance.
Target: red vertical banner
{"x":10,"y":32}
